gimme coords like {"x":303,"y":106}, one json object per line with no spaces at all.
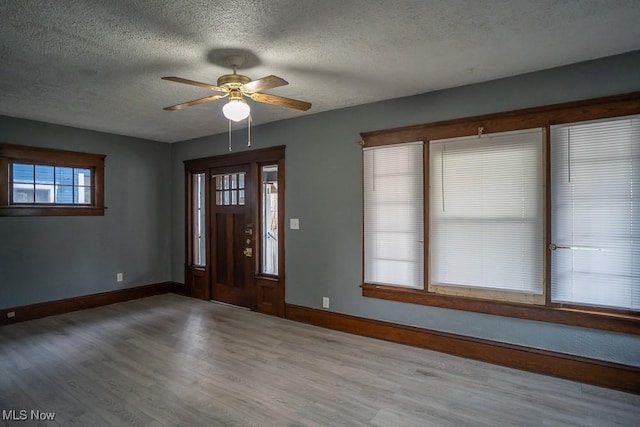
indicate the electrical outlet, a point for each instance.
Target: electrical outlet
{"x":119,"y":277}
{"x":11,"y":314}
{"x":325,"y":302}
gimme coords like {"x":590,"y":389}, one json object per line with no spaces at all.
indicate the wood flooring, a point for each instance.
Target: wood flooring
{"x":169,"y":360}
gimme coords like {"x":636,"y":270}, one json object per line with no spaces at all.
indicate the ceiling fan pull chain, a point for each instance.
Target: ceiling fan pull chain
{"x":230,"y":149}
{"x":249,"y":132}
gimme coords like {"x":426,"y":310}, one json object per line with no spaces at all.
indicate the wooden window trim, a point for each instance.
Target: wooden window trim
{"x":10,"y":153}
{"x":620,"y":321}
{"x":584,"y":316}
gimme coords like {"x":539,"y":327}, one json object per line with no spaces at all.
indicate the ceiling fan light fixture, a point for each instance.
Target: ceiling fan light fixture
{"x":236,"y":87}
{"x":236,"y":110}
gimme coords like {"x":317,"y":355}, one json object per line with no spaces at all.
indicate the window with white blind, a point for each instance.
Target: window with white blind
{"x":393,"y":215}
{"x":486,"y":216}
{"x":532,"y":214}
{"x":595,"y":177}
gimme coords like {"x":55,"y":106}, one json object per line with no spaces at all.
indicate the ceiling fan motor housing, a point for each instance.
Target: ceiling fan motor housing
{"x":232,"y":81}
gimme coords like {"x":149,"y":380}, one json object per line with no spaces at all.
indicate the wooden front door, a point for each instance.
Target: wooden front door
{"x":233,"y":236}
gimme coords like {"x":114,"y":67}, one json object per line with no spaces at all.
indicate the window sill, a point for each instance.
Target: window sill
{"x":267,"y":277}
{"x":625,"y":322}
{"x":51,"y":211}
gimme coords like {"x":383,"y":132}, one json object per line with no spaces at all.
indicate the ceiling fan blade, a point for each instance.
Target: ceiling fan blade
{"x":194,"y":83}
{"x":281,"y":101}
{"x":194,"y":102}
{"x":264,"y":83}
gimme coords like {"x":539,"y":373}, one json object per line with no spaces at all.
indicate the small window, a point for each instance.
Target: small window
{"x":50,"y":184}
{"x":42,"y":181}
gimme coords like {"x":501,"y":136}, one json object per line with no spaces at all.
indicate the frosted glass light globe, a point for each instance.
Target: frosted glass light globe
{"x":236,"y":110}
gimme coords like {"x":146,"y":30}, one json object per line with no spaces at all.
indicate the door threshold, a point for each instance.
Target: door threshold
{"x":230,"y":305}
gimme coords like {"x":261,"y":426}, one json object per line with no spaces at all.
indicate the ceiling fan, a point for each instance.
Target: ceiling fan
{"x":236,"y":87}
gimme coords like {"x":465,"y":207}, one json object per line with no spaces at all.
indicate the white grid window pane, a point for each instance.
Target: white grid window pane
{"x":393,"y":215}
{"x":596,"y":213}
{"x":486,"y":212}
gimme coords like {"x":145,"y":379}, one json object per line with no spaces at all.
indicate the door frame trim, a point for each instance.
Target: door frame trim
{"x":256,"y":159}
{"x":261,"y":155}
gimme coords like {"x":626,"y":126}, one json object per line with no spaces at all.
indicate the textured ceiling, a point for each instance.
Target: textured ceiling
{"x":96,"y":64}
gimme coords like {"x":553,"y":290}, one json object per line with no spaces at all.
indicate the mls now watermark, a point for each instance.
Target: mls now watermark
{"x":27,"y":415}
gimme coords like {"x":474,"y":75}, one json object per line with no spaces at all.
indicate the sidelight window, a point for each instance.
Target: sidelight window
{"x":199,"y":219}
{"x":270,"y":219}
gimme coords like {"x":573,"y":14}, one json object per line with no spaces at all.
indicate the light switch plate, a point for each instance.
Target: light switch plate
{"x":294,"y":223}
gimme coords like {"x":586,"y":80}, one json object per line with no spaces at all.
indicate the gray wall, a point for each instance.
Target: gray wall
{"x":49,"y":258}
{"x":142,"y":232}
{"x":323,"y":190}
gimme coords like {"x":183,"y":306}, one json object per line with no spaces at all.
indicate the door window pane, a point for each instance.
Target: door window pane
{"x":229,"y":189}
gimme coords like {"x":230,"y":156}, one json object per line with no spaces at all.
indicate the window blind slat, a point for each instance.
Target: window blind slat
{"x":393,"y":215}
